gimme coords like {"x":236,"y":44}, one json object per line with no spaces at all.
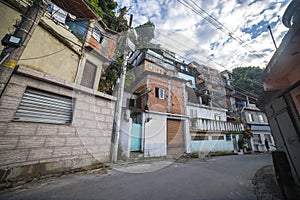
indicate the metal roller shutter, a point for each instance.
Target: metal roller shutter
{"x":175,"y":139}
{"x":42,"y":106}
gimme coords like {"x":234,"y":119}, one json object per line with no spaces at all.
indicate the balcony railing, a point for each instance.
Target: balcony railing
{"x":199,"y":124}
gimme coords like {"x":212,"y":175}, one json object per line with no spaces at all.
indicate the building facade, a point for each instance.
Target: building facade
{"x":52,"y":118}
{"x":280,"y":101}
{"x":155,"y":102}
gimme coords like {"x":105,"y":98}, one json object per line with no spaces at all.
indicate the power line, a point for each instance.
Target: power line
{"x":209,"y":18}
{"x":207,"y":57}
{"x":43,"y":56}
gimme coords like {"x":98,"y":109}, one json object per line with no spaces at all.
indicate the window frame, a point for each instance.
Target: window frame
{"x":261,"y":118}
{"x":250,"y":117}
{"x":96,"y":34}
{"x":159,"y":93}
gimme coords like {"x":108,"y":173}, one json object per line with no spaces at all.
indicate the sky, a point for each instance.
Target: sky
{"x":240,"y":39}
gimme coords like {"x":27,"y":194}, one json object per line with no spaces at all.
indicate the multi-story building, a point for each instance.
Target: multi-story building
{"x":241,"y":107}
{"x":209,"y":128}
{"x":256,"y":121}
{"x":209,"y":85}
{"x":155,"y":103}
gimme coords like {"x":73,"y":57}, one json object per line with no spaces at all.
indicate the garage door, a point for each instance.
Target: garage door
{"x":175,"y":139}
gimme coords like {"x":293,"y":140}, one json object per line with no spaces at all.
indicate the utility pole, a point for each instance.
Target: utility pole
{"x":118,"y":113}
{"x":13,"y":51}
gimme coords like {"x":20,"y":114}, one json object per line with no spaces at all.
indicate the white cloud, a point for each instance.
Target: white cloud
{"x":181,"y":30}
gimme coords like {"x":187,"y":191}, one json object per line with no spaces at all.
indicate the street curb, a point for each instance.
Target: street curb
{"x":266,"y":186}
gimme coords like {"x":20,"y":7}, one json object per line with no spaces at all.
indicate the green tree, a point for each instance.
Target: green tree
{"x":249,"y":79}
{"x":111,"y":75}
{"x":106,"y":10}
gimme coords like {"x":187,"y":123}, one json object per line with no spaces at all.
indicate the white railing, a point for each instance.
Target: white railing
{"x":214,"y":125}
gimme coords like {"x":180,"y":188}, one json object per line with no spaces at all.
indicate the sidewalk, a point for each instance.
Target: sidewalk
{"x":266,"y":187}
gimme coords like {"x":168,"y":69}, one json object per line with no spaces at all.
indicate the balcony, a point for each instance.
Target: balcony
{"x":199,"y":124}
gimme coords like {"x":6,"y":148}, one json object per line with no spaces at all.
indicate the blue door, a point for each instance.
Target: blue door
{"x":136,"y":137}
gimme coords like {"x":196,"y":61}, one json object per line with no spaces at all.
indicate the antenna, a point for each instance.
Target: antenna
{"x":269,"y":27}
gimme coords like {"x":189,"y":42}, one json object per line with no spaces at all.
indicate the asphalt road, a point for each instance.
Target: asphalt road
{"x":227,"y":177}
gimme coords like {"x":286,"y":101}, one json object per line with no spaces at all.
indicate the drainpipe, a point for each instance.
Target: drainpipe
{"x":169,"y":96}
{"x":247,"y":99}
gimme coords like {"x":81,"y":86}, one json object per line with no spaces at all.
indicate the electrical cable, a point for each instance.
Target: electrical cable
{"x":209,"y":18}
{"x":184,"y":45}
{"x":43,"y":56}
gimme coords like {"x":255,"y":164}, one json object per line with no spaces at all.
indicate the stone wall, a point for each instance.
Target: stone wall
{"x":25,"y":146}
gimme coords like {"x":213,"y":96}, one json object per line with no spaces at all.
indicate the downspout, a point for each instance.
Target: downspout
{"x":169,"y":96}
{"x":187,"y":137}
{"x":144,"y":117}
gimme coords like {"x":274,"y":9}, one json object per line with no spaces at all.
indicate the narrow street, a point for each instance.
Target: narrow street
{"x":227,"y":177}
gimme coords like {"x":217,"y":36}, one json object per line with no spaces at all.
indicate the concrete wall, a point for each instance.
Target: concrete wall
{"x":261,"y":146}
{"x":46,"y":53}
{"x":255,"y":115}
{"x":125,"y":137}
{"x":207,"y":112}
{"x":9,"y":17}
{"x":155,"y":136}
{"x":211,"y":145}
{"x":26,"y":146}
{"x":93,"y":58}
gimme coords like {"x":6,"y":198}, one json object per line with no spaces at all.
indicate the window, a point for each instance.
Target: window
{"x":250,"y":116}
{"x":97,"y":35}
{"x":257,"y":138}
{"x":41,"y":106}
{"x":261,"y":118}
{"x":199,"y":136}
{"x":218,"y":117}
{"x":159,"y":93}
{"x":228,"y":137}
{"x":138,"y":102}
{"x":193,"y":113}
{"x":217,"y":137}
{"x":88,"y":76}
{"x":131,"y":102}
{"x":268,"y":136}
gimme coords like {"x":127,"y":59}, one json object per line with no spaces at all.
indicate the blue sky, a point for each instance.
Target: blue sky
{"x":194,"y":39}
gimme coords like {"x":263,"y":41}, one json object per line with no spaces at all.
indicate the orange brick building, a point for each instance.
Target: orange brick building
{"x":156,"y":101}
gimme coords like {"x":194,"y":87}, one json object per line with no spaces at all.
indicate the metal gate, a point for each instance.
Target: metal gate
{"x":136,"y":137}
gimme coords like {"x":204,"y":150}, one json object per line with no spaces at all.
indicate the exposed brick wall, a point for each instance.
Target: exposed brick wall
{"x":85,"y":141}
{"x":149,"y":66}
{"x":177,"y":95}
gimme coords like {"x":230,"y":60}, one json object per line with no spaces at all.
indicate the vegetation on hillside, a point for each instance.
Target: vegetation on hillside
{"x":106,"y":10}
{"x":145,"y":32}
{"x":248,"y":79}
